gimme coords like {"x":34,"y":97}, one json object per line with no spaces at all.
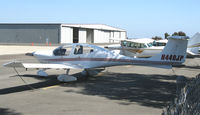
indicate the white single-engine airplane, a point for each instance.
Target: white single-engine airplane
{"x":85,"y":56}
{"x":145,"y":47}
{"x":141,"y":48}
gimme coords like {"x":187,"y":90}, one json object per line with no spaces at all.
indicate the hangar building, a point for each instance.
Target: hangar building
{"x":59,"y":33}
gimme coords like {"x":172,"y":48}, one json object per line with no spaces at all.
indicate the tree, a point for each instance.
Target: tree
{"x":180,"y":33}
{"x":175,"y":34}
{"x":157,"y":38}
{"x":166,"y":35}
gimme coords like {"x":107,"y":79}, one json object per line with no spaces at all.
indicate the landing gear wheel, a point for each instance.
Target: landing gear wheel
{"x":66,"y":78}
{"x":85,"y":73}
{"x":42,"y":73}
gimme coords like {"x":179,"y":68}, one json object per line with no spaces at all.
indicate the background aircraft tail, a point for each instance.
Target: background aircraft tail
{"x":194,"y":41}
{"x":174,"y":52}
{"x":194,"y":46}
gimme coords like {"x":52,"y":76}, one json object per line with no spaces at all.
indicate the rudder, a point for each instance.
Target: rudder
{"x":174,"y":51}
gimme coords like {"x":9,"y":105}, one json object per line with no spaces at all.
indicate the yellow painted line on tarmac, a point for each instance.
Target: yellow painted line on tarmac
{"x":50,"y":87}
{"x":129,"y":66}
{"x":101,"y":73}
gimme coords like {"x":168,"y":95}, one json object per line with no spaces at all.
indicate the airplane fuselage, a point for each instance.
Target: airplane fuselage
{"x":95,"y":59}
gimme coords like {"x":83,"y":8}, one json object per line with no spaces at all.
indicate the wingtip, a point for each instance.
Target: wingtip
{"x":13,"y":64}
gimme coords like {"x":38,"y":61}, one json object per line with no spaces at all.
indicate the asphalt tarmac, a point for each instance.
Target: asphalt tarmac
{"x":119,"y":90}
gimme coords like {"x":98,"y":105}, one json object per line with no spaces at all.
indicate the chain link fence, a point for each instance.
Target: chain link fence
{"x":187,"y":101}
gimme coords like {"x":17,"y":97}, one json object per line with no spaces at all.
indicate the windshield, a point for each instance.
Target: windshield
{"x":133,"y":44}
{"x":59,"y":52}
{"x":123,"y":43}
{"x":158,"y":43}
{"x":62,"y":50}
{"x":150,"y":44}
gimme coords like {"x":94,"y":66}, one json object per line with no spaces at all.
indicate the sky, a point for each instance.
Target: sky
{"x":140,"y":18}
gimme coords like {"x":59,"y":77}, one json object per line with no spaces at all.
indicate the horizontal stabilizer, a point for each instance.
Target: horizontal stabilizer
{"x":167,"y":66}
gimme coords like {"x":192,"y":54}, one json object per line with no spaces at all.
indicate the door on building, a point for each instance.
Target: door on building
{"x":90,"y":36}
{"x":75,"y":35}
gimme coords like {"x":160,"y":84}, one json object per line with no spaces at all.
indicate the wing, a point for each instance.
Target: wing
{"x":42,"y":66}
{"x":189,"y":53}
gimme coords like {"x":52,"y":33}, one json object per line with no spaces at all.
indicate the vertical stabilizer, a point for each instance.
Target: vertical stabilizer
{"x":194,"y":41}
{"x":174,"y":51}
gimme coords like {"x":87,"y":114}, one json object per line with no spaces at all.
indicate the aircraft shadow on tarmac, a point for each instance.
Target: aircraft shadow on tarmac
{"x":6,"y":111}
{"x":189,"y":67}
{"x":146,"y":90}
{"x":49,"y":81}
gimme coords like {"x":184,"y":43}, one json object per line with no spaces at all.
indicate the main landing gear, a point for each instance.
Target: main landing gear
{"x":42,"y":73}
{"x":61,"y":78}
{"x":66,"y":77}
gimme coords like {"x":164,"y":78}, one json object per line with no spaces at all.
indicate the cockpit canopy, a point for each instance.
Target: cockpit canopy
{"x":142,"y":44}
{"x":75,"y":49}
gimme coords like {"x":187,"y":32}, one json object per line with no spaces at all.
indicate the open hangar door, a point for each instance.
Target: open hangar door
{"x":90,"y":36}
{"x":75,"y":35}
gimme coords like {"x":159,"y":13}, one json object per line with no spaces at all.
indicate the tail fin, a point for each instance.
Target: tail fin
{"x":194,"y":41}
{"x":174,"y":52}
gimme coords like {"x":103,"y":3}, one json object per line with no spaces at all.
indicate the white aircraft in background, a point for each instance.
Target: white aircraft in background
{"x":148,"y":47}
{"x":85,"y":56}
{"x":194,"y":45}
{"x":144,"y":47}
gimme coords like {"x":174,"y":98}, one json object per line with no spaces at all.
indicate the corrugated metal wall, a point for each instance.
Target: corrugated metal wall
{"x":66,"y":35}
{"x":102,"y":36}
{"x":56,"y":33}
{"x":82,"y":35}
{"x":28,"y":33}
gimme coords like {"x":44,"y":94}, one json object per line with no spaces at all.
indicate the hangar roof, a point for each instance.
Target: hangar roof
{"x":94,"y":26}
{"x":90,"y":26}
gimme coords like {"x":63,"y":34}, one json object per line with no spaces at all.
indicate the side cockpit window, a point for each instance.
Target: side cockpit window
{"x":123,"y":43}
{"x":79,"y":49}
